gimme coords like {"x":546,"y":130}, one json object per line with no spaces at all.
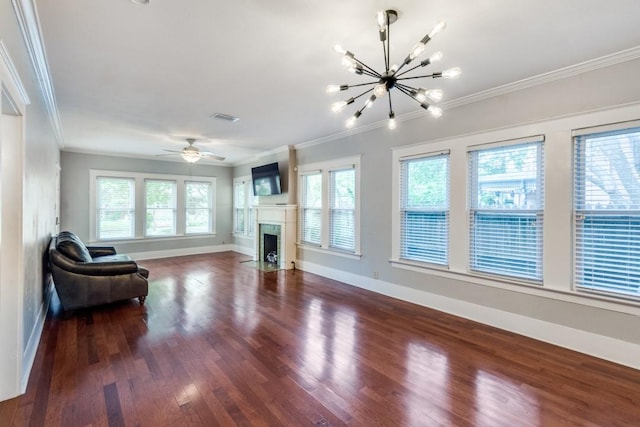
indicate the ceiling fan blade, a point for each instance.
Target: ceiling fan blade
{"x":173,"y":151}
{"x":212,"y":155}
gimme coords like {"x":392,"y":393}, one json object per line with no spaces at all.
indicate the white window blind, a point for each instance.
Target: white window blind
{"x":311,"y":209}
{"x":506,"y":210}
{"x":424,"y":219}
{"x":116,"y":207}
{"x":198,"y":207}
{"x":239,"y":199}
{"x":160,"y":202}
{"x":607,"y":212}
{"x":342,"y":205}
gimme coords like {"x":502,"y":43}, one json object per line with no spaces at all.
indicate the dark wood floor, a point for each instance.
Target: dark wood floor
{"x":220,"y":343}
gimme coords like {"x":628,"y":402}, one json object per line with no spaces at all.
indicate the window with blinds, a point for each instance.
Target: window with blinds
{"x":424,"y":205}
{"x":239,"y":199}
{"x":160,"y":203}
{"x":198,"y":207}
{"x":115,"y":208}
{"x":607,"y":212}
{"x":311,"y":208}
{"x":342,"y":205}
{"x":506,"y":209}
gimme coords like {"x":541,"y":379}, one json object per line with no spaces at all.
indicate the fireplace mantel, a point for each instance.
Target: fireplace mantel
{"x":286,"y":217}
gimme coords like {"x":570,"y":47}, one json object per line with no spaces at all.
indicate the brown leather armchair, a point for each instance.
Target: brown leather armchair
{"x":87,"y":276}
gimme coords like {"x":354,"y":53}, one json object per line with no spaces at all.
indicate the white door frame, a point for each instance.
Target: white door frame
{"x":13,"y":103}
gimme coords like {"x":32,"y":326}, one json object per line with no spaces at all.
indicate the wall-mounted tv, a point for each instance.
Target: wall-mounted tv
{"x":266,"y":180}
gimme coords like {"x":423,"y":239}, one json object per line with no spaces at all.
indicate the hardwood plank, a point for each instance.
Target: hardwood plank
{"x":219,"y":343}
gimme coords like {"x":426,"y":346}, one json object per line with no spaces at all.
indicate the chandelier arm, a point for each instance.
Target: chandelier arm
{"x":405,"y":87}
{"x":370,"y":74}
{"x":390,"y":106}
{"x":363,"y":93}
{"x":363,"y":84}
{"x":434,"y":75}
{"x":375,"y":73}
{"x":406,"y":92}
{"x":410,"y":69}
{"x":387,"y":58}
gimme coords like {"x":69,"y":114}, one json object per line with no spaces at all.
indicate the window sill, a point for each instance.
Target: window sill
{"x":329,"y":251}
{"x":243,"y":236}
{"x":617,"y":304}
{"x":154,"y":239}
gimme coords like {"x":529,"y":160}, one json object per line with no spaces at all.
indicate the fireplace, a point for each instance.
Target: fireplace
{"x":276,"y":235}
{"x":270,"y":244}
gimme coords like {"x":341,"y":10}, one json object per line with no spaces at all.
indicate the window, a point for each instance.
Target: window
{"x":243,"y":202}
{"x":342,"y":209}
{"x":424,"y":218}
{"x":329,"y":205}
{"x":506,"y":215}
{"x":607,"y":212}
{"x":160,"y":202}
{"x":115,"y":207}
{"x":198,"y":206}
{"x":310,"y":221}
{"x":239,"y":202}
{"x":129,"y":205}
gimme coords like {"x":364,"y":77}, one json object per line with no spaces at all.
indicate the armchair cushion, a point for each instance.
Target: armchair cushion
{"x":72,"y":247}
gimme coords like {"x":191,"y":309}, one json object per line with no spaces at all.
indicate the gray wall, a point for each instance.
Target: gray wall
{"x":75,"y":197}
{"x":600,"y":89}
{"x":41,"y":158}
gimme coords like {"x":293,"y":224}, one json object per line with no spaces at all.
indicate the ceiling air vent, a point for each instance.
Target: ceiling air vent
{"x":225,"y":117}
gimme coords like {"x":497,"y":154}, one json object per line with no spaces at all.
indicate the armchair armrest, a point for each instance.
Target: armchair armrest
{"x":96,"y":251}
{"x":110,"y":268}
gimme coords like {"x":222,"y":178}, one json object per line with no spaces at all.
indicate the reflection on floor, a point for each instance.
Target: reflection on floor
{"x":262,"y":265}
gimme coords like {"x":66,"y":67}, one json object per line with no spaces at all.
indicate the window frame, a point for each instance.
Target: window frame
{"x":405,"y":209}
{"x":324,"y":170}
{"x":249,"y":210}
{"x":521,"y":216}
{"x":140,"y":204}
{"x":209,"y":208}
{"x":581,"y":213}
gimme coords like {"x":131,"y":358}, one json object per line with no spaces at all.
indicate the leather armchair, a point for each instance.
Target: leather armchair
{"x":87,"y":276}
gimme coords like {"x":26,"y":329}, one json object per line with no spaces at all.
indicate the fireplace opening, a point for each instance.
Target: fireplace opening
{"x":270,"y":252}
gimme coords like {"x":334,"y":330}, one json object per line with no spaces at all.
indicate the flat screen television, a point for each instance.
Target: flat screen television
{"x":266,"y":180}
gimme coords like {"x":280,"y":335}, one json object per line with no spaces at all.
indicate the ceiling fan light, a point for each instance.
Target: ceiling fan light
{"x":190,"y":156}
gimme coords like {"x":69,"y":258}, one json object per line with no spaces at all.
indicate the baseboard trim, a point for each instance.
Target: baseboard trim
{"x":612,"y":349}
{"x":245,"y":250}
{"x":29,"y":354}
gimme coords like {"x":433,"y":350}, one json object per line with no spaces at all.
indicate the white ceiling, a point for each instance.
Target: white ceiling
{"x":132,"y":79}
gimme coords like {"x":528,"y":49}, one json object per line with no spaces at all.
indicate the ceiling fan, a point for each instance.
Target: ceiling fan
{"x":192,"y":154}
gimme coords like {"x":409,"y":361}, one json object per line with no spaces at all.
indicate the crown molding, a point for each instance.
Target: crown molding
{"x":31,"y":33}
{"x":540,"y":79}
{"x":13,"y":73}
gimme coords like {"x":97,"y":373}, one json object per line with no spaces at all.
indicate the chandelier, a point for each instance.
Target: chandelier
{"x":392,"y":77}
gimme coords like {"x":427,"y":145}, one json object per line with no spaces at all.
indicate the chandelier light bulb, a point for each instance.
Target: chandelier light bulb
{"x":435,"y":57}
{"x":419,"y":95}
{"x":439,"y":27}
{"x":382,"y":19}
{"x":380,"y":90}
{"x":370,"y":101}
{"x":333,"y":88}
{"x":336,"y":107}
{"x":416,"y":51}
{"x":433,"y":94}
{"x":348,"y":61}
{"x":451,"y":73}
{"x":435,"y":111}
{"x":350,"y":122}
{"x":392,"y":121}
{"x":338,"y":49}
